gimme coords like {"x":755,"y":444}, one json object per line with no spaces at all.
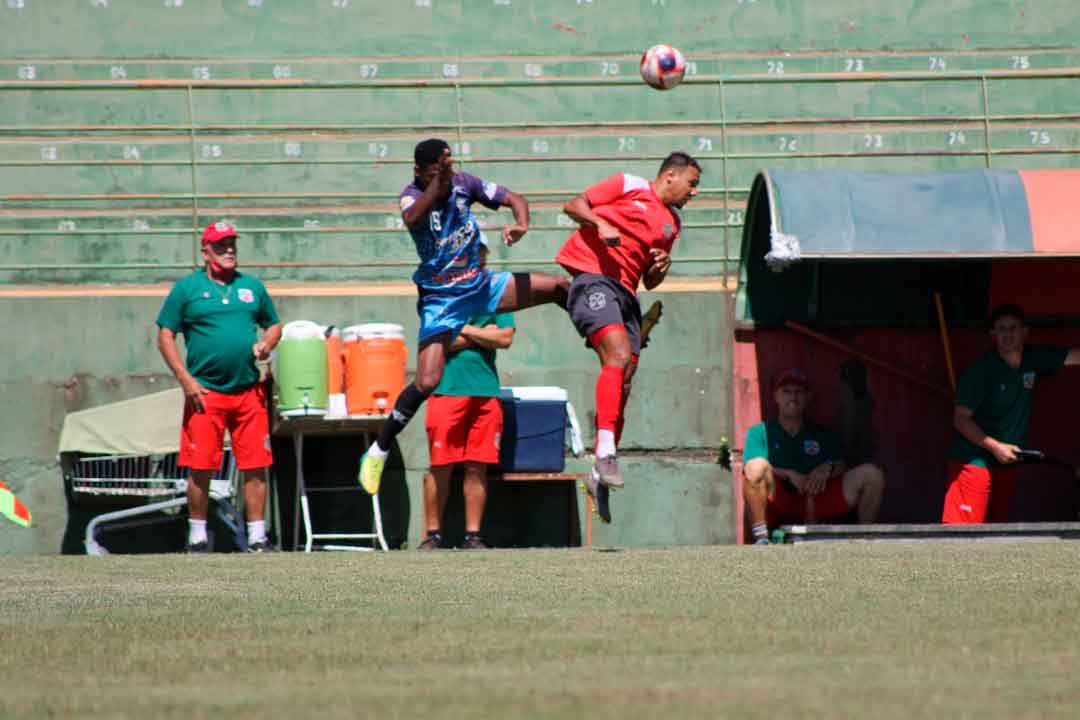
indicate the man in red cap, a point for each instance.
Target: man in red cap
{"x":794,"y":472}
{"x":218,"y":310}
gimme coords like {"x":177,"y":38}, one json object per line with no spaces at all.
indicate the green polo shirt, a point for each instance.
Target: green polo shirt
{"x":471,"y":372}
{"x":999,"y":398}
{"x":218,"y":335}
{"x":801,"y":452}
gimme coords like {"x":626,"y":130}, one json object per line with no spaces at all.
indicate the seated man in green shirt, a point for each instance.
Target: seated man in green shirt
{"x":794,"y":472}
{"x":993,"y":406}
{"x":464,"y":422}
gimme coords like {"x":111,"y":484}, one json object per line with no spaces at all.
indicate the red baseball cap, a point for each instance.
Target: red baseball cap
{"x":217,"y":231}
{"x":791,"y":376}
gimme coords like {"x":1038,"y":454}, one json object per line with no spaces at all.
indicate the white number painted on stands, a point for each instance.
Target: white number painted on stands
{"x":310,"y":224}
{"x":704,"y":144}
{"x":49,"y":152}
{"x":340,"y":3}
{"x":563,"y":220}
{"x":212,"y":151}
{"x":140,"y":225}
{"x":462,"y":148}
{"x":854,"y":65}
{"x":27,"y":72}
{"x":539,"y":147}
{"x":395,"y":222}
{"x":534,"y":69}
{"x":66,"y":226}
{"x":450,"y":70}
{"x":130,"y":152}
{"x":99,"y":3}
{"x":609,"y":68}
{"x":378,"y":149}
{"x":293,"y":149}
{"x":735,"y":217}
{"x":584,"y":2}
{"x":627,"y":144}
{"x":775,"y":67}
{"x":873,"y":140}
{"x":255,"y":3}
{"x":691,"y":68}
{"x":281,"y":72}
{"x":658,"y":3}
{"x":201,"y":72}
{"x":957,"y":137}
{"x":16,"y":4}
{"x":789,"y":144}
{"x":118,"y":72}
{"x":502,"y":2}
{"x":368,"y":70}
{"x":1021,"y":62}
{"x":937,"y":63}
{"x":174,"y":3}
{"x":1039,"y":137}
{"x":423,"y":3}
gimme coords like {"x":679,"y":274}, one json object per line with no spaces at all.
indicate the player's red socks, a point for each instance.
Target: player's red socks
{"x":609,"y":390}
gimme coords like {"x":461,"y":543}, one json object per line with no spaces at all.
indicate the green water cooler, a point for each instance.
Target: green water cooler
{"x":300,"y":370}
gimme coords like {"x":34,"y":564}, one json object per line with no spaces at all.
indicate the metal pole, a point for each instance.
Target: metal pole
{"x":195,"y":245}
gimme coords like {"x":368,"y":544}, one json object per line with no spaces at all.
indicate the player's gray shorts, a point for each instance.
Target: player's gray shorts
{"x":596,"y":301}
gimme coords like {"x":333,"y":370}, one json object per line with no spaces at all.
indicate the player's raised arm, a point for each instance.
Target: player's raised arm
{"x":659,"y":268}
{"x":520,"y":207}
{"x":436,"y":178}
{"x":581,"y":212}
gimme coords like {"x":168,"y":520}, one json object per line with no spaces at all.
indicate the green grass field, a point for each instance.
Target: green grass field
{"x":855,"y":630}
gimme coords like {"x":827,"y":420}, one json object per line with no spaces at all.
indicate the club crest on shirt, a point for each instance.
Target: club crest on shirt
{"x":245,"y":295}
{"x":1029,"y":380}
{"x":597,"y":300}
{"x":811,"y":447}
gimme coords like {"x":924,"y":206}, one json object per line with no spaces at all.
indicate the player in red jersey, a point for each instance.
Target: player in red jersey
{"x":628,"y":226}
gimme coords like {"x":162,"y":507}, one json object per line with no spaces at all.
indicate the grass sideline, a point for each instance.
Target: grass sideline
{"x":891,"y":630}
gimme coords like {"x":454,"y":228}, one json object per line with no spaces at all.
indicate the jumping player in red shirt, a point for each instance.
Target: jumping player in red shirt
{"x":628,"y":226}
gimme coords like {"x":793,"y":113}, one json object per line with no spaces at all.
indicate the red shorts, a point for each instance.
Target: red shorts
{"x":464,"y":429}
{"x":787,"y":506}
{"x":977,"y":494}
{"x":243,"y":414}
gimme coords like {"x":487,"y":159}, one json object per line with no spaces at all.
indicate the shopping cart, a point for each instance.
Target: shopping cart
{"x":155,"y":487}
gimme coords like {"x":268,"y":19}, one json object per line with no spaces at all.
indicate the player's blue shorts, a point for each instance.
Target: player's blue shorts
{"x":441,"y":313}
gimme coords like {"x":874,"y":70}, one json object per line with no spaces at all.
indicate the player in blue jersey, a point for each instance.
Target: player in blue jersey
{"x":451,"y":283}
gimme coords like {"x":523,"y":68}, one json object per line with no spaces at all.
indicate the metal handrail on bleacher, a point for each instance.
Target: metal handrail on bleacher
{"x":722,"y":126}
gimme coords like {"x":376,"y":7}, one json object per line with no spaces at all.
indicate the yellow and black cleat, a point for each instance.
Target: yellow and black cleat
{"x":649,"y":320}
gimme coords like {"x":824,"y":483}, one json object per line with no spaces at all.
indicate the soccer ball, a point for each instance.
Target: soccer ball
{"x":662,"y":67}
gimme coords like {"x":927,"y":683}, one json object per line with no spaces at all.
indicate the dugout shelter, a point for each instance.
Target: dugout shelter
{"x":843,"y":274}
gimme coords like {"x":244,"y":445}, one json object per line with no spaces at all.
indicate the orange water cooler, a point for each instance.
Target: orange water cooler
{"x":335,"y":372}
{"x":375,"y":356}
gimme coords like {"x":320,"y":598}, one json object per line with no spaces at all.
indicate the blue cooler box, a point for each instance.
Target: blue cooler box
{"x":534,"y":428}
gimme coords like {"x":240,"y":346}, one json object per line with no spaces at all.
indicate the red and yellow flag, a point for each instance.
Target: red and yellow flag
{"x":12,"y":508}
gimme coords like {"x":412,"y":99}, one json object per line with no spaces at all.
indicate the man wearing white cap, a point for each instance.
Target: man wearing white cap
{"x":218,"y":310}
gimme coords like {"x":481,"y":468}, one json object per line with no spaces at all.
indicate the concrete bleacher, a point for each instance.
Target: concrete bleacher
{"x":125,"y":127}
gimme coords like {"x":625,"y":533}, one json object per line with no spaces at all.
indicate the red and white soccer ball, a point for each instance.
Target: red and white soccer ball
{"x":663,"y":67}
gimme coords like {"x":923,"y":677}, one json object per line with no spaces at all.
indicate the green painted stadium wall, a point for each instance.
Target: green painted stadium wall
{"x":125,"y":125}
